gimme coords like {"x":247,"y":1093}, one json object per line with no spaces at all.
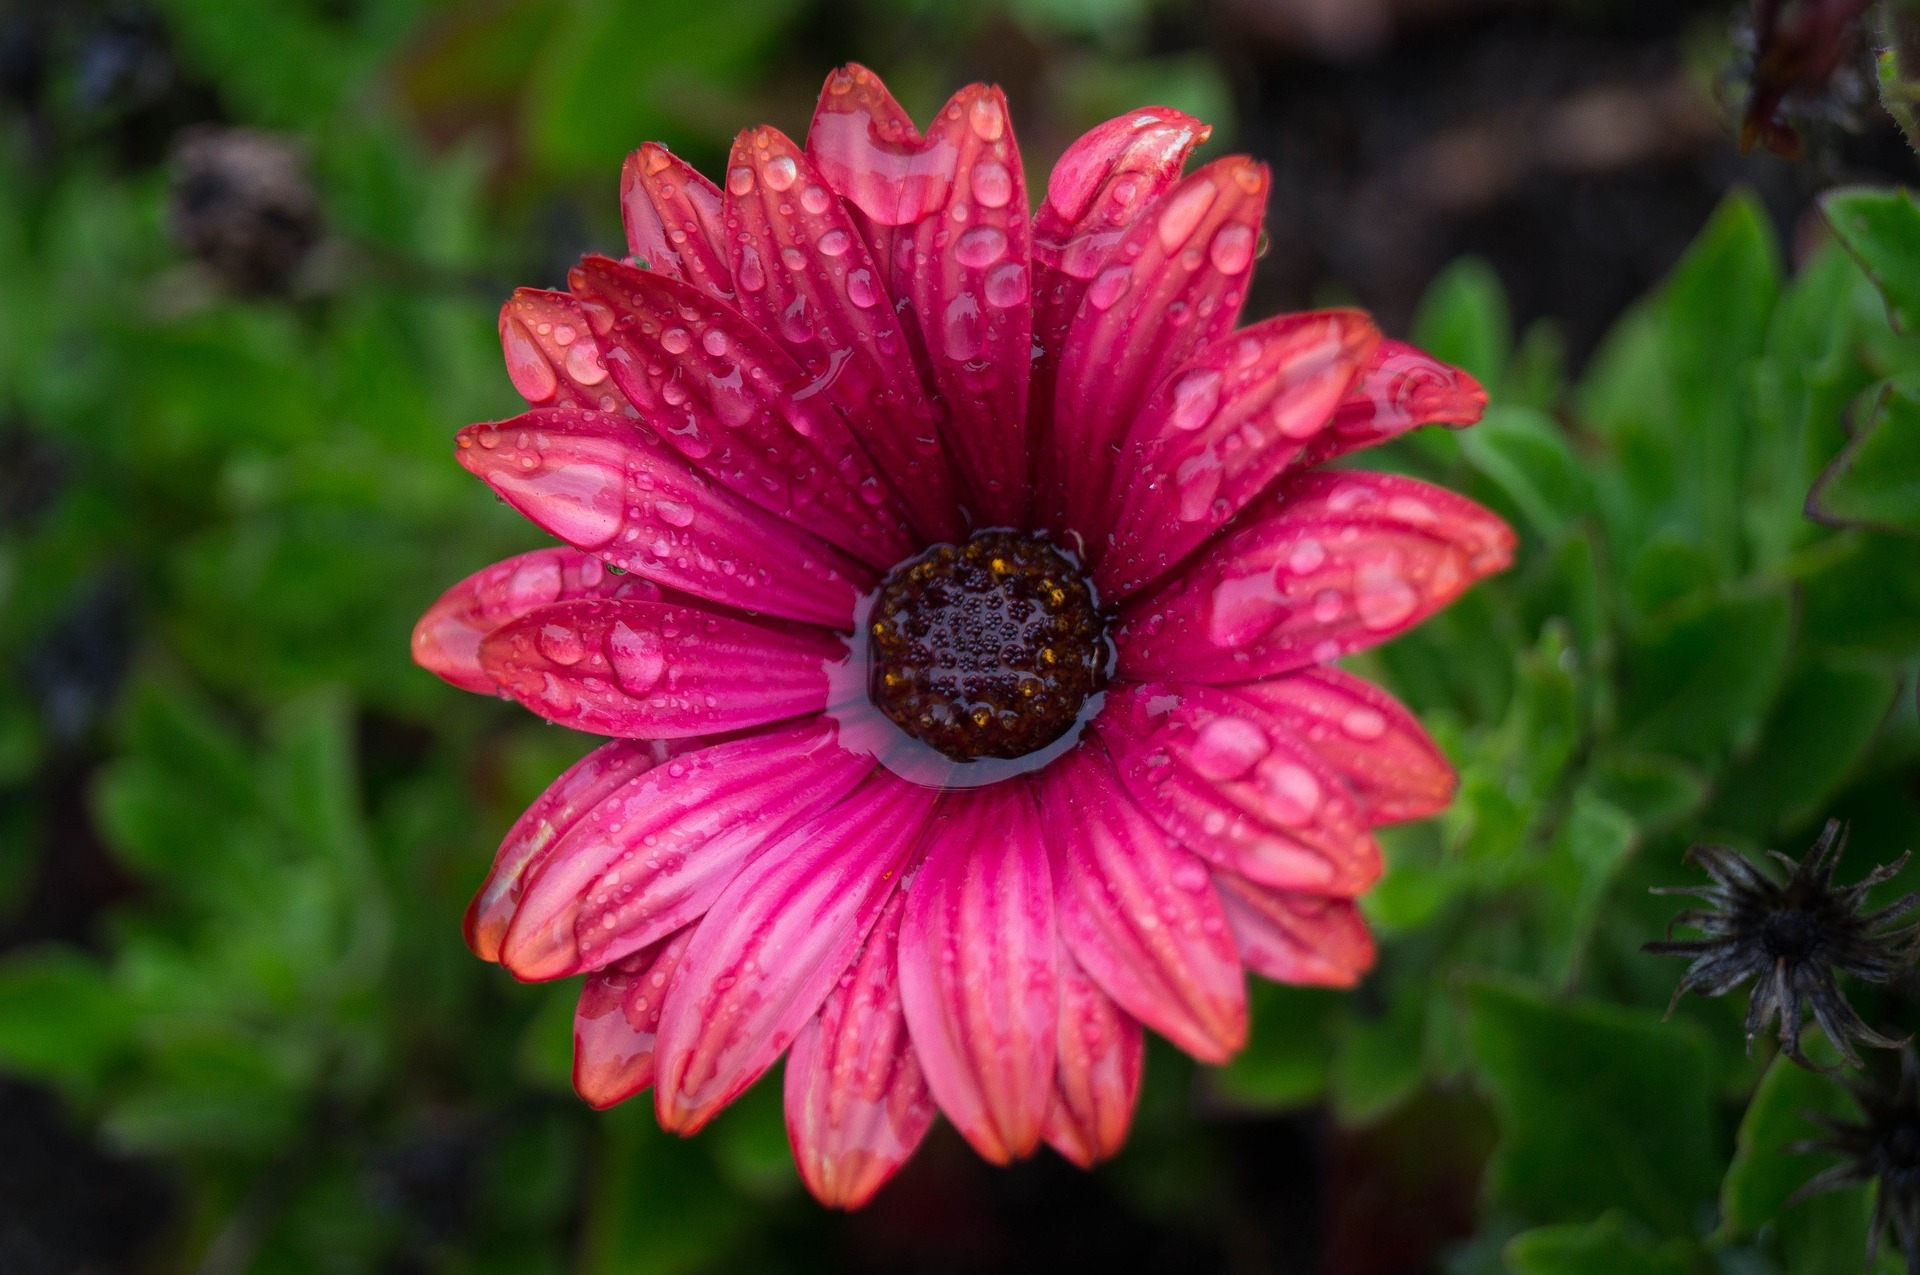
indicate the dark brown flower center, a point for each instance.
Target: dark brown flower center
{"x":987,"y":649}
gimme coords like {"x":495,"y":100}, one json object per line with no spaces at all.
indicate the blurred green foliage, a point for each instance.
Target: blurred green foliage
{"x":281,"y":1011}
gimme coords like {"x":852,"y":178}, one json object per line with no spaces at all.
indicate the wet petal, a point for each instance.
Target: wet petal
{"x":1097,"y":1075}
{"x":566,"y":801}
{"x":1403,"y":388}
{"x":977,"y":969}
{"x":655,"y":853}
{"x":658,"y":670}
{"x":610,"y":487}
{"x":1296,"y":938}
{"x":776,"y":942}
{"x":1378,"y":748}
{"x":617,"y":1020}
{"x":1139,"y":913}
{"x":673,"y":221}
{"x":1176,"y":282}
{"x":730,"y":400}
{"x":1328,"y":564}
{"x":857,"y":1103}
{"x":817,"y":288}
{"x":868,"y":149}
{"x":971,"y":285}
{"x":1238,"y":789}
{"x":552,"y":355}
{"x":446,"y":641}
{"x":1220,"y":430}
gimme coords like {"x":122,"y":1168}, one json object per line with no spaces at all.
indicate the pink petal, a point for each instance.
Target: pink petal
{"x":977,"y":973}
{"x":1238,"y":789}
{"x":1220,"y":429}
{"x":658,"y":670}
{"x":1176,"y":282}
{"x":1403,"y":389}
{"x":1097,"y":1081}
{"x":804,"y":275}
{"x":609,"y":486}
{"x":446,"y":641}
{"x":1138,"y":913}
{"x":673,"y":219}
{"x":727,"y":396}
{"x":971,"y":284}
{"x":1328,"y":564}
{"x":1296,"y":938}
{"x":566,"y":801}
{"x":654,"y":854}
{"x":552,"y":355}
{"x":857,"y":1103}
{"x":867,"y":148}
{"x":1379,"y":749}
{"x":776,"y":942}
{"x":618,"y":1018}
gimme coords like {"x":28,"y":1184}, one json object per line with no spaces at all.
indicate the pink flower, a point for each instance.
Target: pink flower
{"x":961,"y":595}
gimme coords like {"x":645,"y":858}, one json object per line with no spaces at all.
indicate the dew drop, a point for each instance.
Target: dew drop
{"x":1195,"y":396}
{"x":535,"y":583}
{"x":780,"y":172}
{"x":987,"y":119}
{"x":1364,"y":723}
{"x":1111,"y":284}
{"x":561,"y":643}
{"x":1198,"y":482}
{"x":714,"y":342}
{"x":1306,"y":557}
{"x":961,"y":334}
{"x":674,"y":513}
{"x":1227,"y":748}
{"x":835,"y":242}
{"x":740,"y":181}
{"x":1383,"y":599}
{"x":981,"y":247}
{"x":583,"y":364}
{"x":992,"y":185}
{"x":816,"y":200}
{"x":676,"y":341}
{"x":1232,"y":248}
{"x":527,"y":367}
{"x":1293,"y":794}
{"x":1183,"y":213}
{"x":860,"y":289}
{"x":750,"y":275}
{"x":1006,"y":285}
{"x":637,"y":656}
{"x":792,"y":258}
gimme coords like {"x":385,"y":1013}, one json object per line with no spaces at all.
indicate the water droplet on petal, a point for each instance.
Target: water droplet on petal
{"x":1183,"y":212}
{"x":1232,"y":248}
{"x":1227,"y":747}
{"x":740,"y":181}
{"x":816,"y":200}
{"x":961,"y":332}
{"x":583,"y":364}
{"x":835,"y":242}
{"x":1306,"y":557}
{"x":1198,"y":481}
{"x":780,"y":173}
{"x":1195,"y":396}
{"x":1364,"y":723}
{"x":1293,"y":794}
{"x":860,"y":289}
{"x":987,"y":119}
{"x":674,"y":513}
{"x":981,"y":247}
{"x":527,"y":367}
{"x":535,"y":583}
{"x":1382,"y":598}
{"x":637,"y":656}
{"x":792,"y":258}
{"x":676,"y":341}
{"x":714,"y":342}
{"x":1110,"y":286}
{"x":750,"y":274}
{"x":561,"y":643}
{"x":1006,"y":285}
{"x":992,"y":184}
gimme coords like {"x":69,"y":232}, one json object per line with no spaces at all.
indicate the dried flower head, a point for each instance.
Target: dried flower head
{"x":1883,"y":1149}
{"x":1791,"y":938}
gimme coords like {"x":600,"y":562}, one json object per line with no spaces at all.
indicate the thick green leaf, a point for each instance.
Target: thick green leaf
{"x":1699,"y":681}
{"x":1881,"y":228}
{"x":658,"y":1207}
{"x":1573,"y":876}
{"x":1876,"y":481}
{"x":1289,"y":1051}
{"x":1764,"y":1174}
{"x":1611,"y":1245}
{"x":1526,"y":456}
{"x":60,"y":1018}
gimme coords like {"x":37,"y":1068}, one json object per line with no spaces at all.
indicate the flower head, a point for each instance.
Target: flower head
{"x":1883,"y":1149}
{"x":1792,"y":939}
{"x":968,"y":666}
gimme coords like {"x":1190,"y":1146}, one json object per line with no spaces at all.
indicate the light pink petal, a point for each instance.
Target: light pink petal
{"x":552,"y":355}
{"x":971,"y":285}
{"x":776,"y":942}
{"x":1330,"y":563}
{"x":731,"y":401}
{"x":977,"y":975}
{"x":857,"y":1103}
{"x":659,"y":670}
{"x":446,"y":641}
{"x":1175,"y":283}
{"x":1388,"y":761}
{"x":608,"y":485}
{"x":566,"y":801}
{"x":1139,"y":913}
{"x":654,"y":854}
{"x":1097,"y":1076}
{"x":1403,"y":389}
{"x":617,"y":1020}
{"x":1296,"y":938}
{"x":1238,"y":789}
{"x":673,"y":222}
{"x":804,"y":274}
{"x":1220,"y":430}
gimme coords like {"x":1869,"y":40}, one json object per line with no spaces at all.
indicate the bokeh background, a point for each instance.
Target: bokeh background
{"x":251,"y":253}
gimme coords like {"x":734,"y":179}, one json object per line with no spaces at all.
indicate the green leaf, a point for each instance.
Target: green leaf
{"x":1601,"y":1107}
{"x":1464,"y":319}
{"x":1699,"y":682}
{"x":1655,"y":792}
{"x":1574,"y":874}
{"x":544,"y":1056}
{"x":1526,"y":456}
{"x":1289,"y":1049}
{"x":749,"y":1142}
{"x":1610,"y":1245}
{"x":60,"y":1019}
{"x":658,"y":1207}
{"x":1881,"y":228}
{"x":1379,"y":1061}
{"x":1876,"y":481}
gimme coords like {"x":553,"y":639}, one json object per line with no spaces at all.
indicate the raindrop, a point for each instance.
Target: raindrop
{"x":860,"y":289}
{"x":780,"y":172}
{"x":527,"y":367}
{"x":961,"y":334}
{"x":1232,"y":248}
{"x":1006,"y":285}
{"x":1195,"y":397}
{"x":714,"y":342}
{"x":1306,"y":557}
{"x":816,"y":200}
{"x":992,"y":184}
{"x":1110,"y":286}
{"x":638,"y":658}
{"x":988,"y":121}
{"x":981,"y":247}
{"x":1227,"y":748}
{"x":1292,"y":791}
{"x":835,"y":242}
{"x":583,"y":364}
{"x":676,"y":341}
{"x":1183,"y":213}
{"x":561,"y":643}
{"x":1364,"y":723}
{"x":673,"y":513}
{"x":740,"y":181}
{"x":751,"y":275}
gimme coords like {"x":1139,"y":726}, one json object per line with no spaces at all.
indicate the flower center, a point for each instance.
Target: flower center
{"x":987,"y":649}
{"x":1790,"y":933}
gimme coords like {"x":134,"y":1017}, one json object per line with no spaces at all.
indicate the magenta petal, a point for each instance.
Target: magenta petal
{"x":857,"y":1103}
{"x":729,"y":399}
{"x":977,"y":969}
{"x":658,"y":670}
{"x":617,"y":1020}
{"x":1296,"y":938}
{"x":1220,"y":430}
{"x":1330,"y":563}
{"x":565,"y":802}
{"x":804,"y":274}
{"x":1139,"y":913}
{"x":446,"y":641}
{"x":610,"y":487}
{"x":1097,"y":1079}
{"x":1379,"y":749}
{"x":869,"y":151}
{"x":1176,"y":282}
{"x":775,"y":943}
{"x":654,"y":854}
{"x":552,"y":355}
{"x":971,"y":283}
{"x":673,"y":222}
{"x":1402,"y":389}
{"x":1238,"y":789}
